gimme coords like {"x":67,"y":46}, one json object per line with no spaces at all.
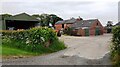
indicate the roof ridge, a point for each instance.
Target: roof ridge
{"x":21,"y":14}
{"x":89,"y":19}
{"x":28,"y":17}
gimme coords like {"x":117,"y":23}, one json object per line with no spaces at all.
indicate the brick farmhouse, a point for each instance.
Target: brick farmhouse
{"x":81,"y":27}
{"x":62,"y":25}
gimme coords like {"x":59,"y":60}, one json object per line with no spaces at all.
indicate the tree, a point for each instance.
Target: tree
{"x":46,"y":19}
{"x":79,"y":18}
{"x":109,"y":23}
{"x":5,"y":16}
{"x":54,"y":18}
{"x":43,"y":19}
{"x":109,"y":26}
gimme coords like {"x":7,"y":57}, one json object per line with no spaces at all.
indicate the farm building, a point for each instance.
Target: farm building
{"x":20,"y":21}
{"x":65,"y":23}
{"x":87,"y":28}
{"x":108,"y":29}
{"x":118,"y":24}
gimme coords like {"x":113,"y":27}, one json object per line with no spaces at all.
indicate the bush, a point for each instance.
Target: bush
{"x":38,"y":39}
{"x":115,"y":48}
{"x":68,"y":31}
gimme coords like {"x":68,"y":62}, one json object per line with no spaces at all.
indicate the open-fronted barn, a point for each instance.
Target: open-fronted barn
{"x":19,"y":21}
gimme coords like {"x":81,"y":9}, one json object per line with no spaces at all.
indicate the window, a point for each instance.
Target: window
{"x":97,"y":24}
{"x":62,"y":25}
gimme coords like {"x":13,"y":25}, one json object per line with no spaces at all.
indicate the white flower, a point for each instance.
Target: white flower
{"x":42,"y":39}
{"x":36,"y":41}
{"x":28,"y":41}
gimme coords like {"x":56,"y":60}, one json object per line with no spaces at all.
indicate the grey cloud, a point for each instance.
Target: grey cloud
{"x":104,"y":11}
{"x":119,"y":11}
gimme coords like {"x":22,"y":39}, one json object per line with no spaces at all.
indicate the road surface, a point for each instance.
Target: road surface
{"x":92,"y":50}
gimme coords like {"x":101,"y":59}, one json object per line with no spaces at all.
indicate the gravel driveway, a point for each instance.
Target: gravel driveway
{"x":93,"y":50}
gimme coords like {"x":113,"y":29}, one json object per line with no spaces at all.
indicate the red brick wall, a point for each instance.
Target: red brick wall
{"x":81,"y":32}
{"x":92,"y":32}
{"x":105,"y":30}
{"x":93,"y":27}
{"x":67,"y":25}
{"x":58,"y":26}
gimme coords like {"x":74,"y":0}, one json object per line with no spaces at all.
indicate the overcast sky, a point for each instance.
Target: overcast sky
{"x":102,"y":10}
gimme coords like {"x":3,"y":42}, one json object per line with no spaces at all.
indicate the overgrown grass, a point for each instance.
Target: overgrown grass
{"x":57,"y":45}
{"x":9,"y":49}
{"x":8,"y":52}
{"x":0,"y":50}
{"x":54,"y":46}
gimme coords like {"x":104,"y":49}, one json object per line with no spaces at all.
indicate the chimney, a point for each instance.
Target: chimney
{"x":79,"y":18}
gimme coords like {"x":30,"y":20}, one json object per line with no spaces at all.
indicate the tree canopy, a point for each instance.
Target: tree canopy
{"x":46,"y":19}
{"x":109,"y":23}
{"x":5,"y":16}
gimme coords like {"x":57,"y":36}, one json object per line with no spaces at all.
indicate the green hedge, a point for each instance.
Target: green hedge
{"x":39,"y":39}
{"x":115,"y":49}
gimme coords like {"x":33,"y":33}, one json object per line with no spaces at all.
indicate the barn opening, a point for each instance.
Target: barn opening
{"x":17,"y":24}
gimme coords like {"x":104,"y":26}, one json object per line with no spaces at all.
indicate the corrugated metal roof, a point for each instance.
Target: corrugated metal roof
{"x":22,"y":16}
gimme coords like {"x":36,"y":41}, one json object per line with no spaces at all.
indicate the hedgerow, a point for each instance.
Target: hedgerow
{"x":39,"y":39}
{"x":115,"y":48}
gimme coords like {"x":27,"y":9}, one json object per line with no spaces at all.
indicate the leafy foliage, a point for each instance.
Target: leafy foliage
{"x":39,"y":39}
{"x":45,"y":19}
{"x":115,"y":48}
{"x":54,"y":18}
{"x":109,"y":23}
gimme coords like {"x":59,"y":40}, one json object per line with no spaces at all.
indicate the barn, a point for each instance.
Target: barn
{"x":87,"y":28}
{"x":65,"y":24}
{"x":19,"y":21}
{"x":118,"y":24}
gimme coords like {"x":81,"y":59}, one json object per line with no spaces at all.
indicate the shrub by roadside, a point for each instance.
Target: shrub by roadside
{"x":40,"y":40}
{"x":115,"y":47}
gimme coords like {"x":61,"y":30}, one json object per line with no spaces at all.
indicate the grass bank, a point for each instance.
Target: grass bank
{"x":9,"y":52}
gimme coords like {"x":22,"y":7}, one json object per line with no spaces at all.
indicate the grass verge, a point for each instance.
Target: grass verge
{"x":8,"y":52}
{"x":11,"y":51}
